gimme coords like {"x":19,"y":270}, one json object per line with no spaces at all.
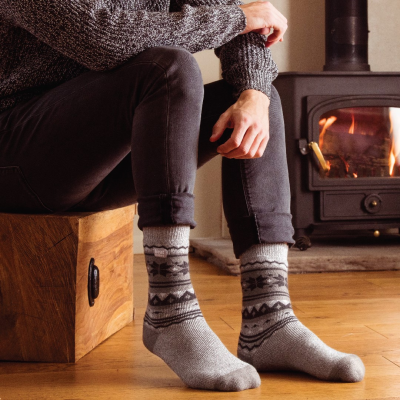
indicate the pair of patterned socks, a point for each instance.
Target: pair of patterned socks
{"x":271,"y":337}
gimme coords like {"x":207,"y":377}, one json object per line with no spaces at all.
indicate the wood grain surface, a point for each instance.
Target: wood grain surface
{"x":107,"y":237}
{"x":44,"y":259}
{"x":357,"y":312}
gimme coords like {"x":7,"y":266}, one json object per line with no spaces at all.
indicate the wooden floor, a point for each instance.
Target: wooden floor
{"x":354,"y":312}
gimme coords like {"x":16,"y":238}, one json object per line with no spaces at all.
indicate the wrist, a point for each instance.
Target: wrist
{"x":253,"y":94}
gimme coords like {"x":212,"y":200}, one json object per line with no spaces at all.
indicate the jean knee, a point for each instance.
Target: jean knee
{"x":181,"y":68}
{"x":185,"y":68}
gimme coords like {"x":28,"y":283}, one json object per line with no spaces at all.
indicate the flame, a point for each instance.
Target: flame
{"x":346,"y":164}
{"x":355,"y":174}
{"x":327,"y":123}
{"x":328,"y":164}
{"x":351,"y":130}
{"x":392,"y":161}
{"x":393,"y":151}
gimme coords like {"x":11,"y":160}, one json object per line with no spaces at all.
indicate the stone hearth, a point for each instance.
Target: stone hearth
{"x":341,"y":253}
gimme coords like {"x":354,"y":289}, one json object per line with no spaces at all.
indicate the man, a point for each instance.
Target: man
{"x":102,"y":105}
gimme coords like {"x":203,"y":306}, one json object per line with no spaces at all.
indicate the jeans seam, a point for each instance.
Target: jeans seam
{"x":245,"y":187}
{"x":167,"y":133}
{"x":33,"y":191}
{"x":247,"y":196}
{"x":166,"y":138}
{"x":29,"y":187}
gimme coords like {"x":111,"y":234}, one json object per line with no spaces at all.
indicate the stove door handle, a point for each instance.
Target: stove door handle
{"x":315,"y":148}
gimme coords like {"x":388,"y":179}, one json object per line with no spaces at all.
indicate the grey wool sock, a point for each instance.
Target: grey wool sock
{"x":272,"y":338}
{"x":174,"y":328}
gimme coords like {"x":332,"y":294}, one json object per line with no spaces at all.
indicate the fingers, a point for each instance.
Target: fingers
{"x":250,"y":122}
{"x":220,"y":126}
{"x":279,"y":25}
{"x":236,"y":138}
{"x":253,"y":145}
{"x":257,"y":150}
{"x":273,"y":38}
{"x":261,"y":17}
{"x":243,"y":149}
{"x":263,"y":31}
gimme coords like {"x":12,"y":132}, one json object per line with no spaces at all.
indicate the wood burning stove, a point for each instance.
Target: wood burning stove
{"x":343,"y":133}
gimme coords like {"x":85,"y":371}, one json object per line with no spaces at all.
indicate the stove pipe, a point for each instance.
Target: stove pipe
{"x":346,"y":35}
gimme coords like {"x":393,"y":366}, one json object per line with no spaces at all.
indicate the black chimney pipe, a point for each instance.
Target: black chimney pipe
{"x":346,"y":35}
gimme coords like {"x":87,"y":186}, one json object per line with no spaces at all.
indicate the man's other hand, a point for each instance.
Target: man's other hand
{"x":261,"y":16}
{"x":249,"y":119}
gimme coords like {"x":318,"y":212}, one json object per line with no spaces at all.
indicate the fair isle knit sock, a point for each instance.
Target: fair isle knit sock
{"x":174,"y":328}
{"x":272,"y":338}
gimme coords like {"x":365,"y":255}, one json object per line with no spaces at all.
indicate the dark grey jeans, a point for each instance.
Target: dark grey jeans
{"x":138,"y":133}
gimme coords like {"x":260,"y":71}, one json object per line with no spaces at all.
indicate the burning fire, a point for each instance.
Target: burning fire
{"x":346,"y":164}
{"x":350,"y":165}
{"x":351,"y":130}
{"x":394,"y":152}
{"x":326,"y":124}
{"x":392,"y":161}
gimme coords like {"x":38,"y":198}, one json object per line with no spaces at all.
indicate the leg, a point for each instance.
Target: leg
{"x":272,"y":338}
{"x":72,"y":144}
{"x":174,"y":328}
{"x":254,"y":214}
{"x":148,"y":108}
{"x":256,"y":193}
{"x":69,"y":149}
{"x":256,"y":202}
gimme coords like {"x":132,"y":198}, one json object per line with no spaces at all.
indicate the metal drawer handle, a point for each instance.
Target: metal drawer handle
{"x":93,"y":282}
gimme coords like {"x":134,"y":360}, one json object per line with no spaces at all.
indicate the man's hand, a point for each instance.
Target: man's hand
{"x":261,"y":16}
{"x":250,"y":122}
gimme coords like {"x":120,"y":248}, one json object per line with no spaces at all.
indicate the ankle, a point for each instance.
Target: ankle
{"x":168,"y":240}
{"x":277,"y":252}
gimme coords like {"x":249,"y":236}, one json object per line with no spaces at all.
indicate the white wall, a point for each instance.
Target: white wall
{"x":303,"y":49}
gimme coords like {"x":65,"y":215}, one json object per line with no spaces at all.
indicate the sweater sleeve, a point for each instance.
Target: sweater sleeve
{"x":101,"y":36}
{"x":245,"y":61}
{"x":247,"y":64}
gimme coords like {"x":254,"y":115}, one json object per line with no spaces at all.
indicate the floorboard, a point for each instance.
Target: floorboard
{"x":356,"y":312}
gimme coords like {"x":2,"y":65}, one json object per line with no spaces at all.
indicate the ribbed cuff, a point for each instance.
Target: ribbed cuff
{"x":167,"y":235}
{"x":250,"y":79}
{"x":277,"y":252}
{"x":247,"y":64}
{"x":174,"y":239}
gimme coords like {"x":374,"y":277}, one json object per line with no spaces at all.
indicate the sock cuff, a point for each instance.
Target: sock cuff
{"x":172,"y":238}
{"x":266,"y":252}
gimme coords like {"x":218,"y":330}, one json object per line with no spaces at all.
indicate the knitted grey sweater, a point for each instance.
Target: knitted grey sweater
{"x":44,"y":43}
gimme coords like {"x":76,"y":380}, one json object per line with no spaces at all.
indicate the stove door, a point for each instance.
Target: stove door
{"x":359,"y":138}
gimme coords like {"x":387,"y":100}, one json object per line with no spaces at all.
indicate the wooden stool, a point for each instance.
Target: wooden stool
{"x":45,"y":311}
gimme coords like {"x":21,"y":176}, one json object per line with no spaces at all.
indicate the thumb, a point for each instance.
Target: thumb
{"x":219,"y":127}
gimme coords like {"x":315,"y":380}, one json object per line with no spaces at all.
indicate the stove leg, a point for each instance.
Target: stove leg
{"x":302,"y":239}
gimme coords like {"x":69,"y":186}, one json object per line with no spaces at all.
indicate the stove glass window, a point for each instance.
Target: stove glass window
{"x":360,"y":142}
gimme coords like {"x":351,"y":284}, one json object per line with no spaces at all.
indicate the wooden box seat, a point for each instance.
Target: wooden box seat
{"x":45,"y":312}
